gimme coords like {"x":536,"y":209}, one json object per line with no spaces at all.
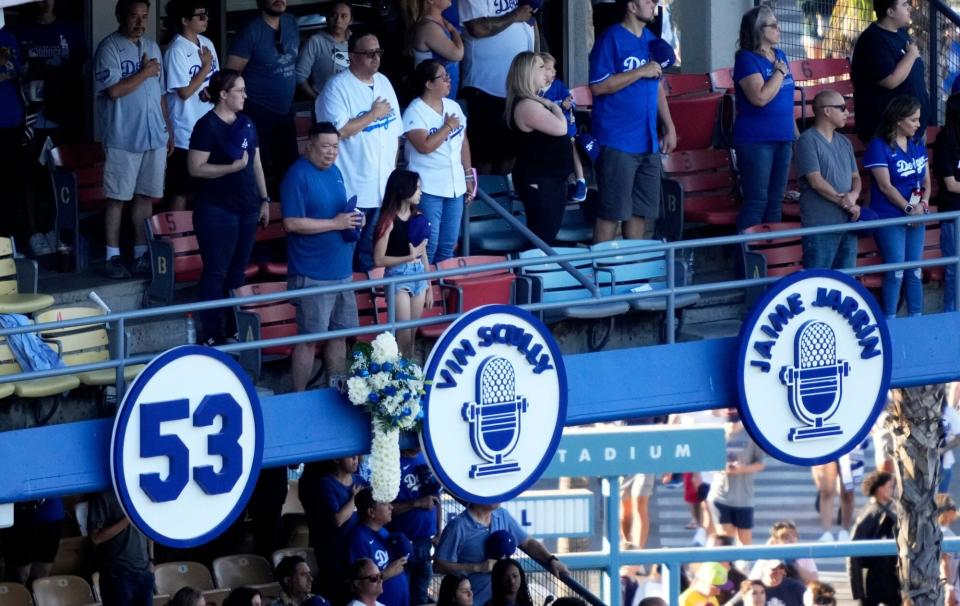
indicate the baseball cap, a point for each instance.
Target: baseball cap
{"x":715,"y":574}
{"x":352,"y":234}
{"x":240,"y":132}
{"x":500,"y":544}
{"x":418,"y":229}
{"x":662,"y":53}
{"x":399,"y":546}
{"x":768,"y":565}
{"x":589,"y":145}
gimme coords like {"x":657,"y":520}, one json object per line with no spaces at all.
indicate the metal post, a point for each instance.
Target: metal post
{"x":392,"y":306}
{"x":613,"y":535}
{"x":465,"y":231}
{"x":676,"y":569}
{"x":670,"y":320}
{"x":933,"y":64}
{"x":120,"y":338}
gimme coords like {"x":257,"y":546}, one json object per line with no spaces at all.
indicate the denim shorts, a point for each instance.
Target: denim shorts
{"x":412,"y":268}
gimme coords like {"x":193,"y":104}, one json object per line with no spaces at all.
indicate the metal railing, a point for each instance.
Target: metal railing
{"x":117,"y":323}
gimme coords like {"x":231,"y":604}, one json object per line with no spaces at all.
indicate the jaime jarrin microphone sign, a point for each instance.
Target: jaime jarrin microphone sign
{"x":813,"y":367}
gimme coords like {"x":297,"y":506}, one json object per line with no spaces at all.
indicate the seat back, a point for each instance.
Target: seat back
{"x":473,"y":261}
{"x":8,"y":268}
{"x":493,"y":286}
{"x":868,"y":254}
{"x":62,"y":590}
{"x":582,"y":96}
{"x":241,"y":570}
{"x":722,"y":79}
{"x":695,"y":118}
{"x":368,"y":309}
{"x":931,"y":250}
{"x":820,"y":69}
{"x":277,"y":318}
{"x":174,"y":576}
{"x":176,"y":227}
{"x":686,"y":84}
{"x":73,"y":556}
{"x":15,"y":594}
{"x":783,"y":256}
{"x":556,"y":284}
{"x":77,"y":172}
{"x":701,"y":171}
{"x":304,"y":552}
{"x":78,"y":344}
{"x":635,"y":267}
{"x":274,"y":229}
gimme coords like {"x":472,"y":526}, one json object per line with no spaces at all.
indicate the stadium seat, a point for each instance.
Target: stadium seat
{"x":812,"y":76}
{"x":868,"y":253}
{"x":18,"y":283}
{"x":575,"y":228}
{"x":722,"y":79}
{"x":31,"y":388}
{"x":488,"y":231}
{"x":695,"y":119}
{"x":677,"y":85}
{"x":304,"y":552}
{"x":773,"y":257}
{"x":931,"y":250}
{"x":62,"y":590}
{"x":242,"y":570}
{"x":469,"y":291}
{"x":76,"y":175}
{"x":369,"y":310}
{"x":15,"y":594}
{"x":303,"y":122}
{"x":73,"y":556}
{"x":174,"y":255}
{"x":582,"y":96}
{"x":84,"y":344}
{"x":267,"y":320}
{"x":174,"y":576}
{"x":709,"y":185}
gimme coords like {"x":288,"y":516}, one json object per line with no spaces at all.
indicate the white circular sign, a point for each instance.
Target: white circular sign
{"x":187,"y":446}
{"x":496,"y":404}
{"x":813,"y":367}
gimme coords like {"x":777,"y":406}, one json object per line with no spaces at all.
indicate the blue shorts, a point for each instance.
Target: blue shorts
{"x":412,"y":268}
{"x":739,"y":517}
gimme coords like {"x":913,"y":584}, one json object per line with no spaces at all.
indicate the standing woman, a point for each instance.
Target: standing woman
{"x":544,"y":161}
{"x":436,"y":38}
{"x":438,"y":150}
{"x":231,"y":197}
{"x":325,"y":53}
{"x":900,"y":186}
{"x":764,"y":131}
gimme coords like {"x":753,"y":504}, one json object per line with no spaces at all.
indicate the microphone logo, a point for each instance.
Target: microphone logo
{"x":495,"y":418}
{"x":815,"y":381}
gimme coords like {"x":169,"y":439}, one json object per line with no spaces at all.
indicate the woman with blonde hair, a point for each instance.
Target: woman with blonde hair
{"x":433,"y":37}
{"x":544,"y":161}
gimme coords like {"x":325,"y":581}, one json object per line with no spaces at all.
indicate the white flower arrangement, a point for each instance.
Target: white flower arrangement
{"x":390,"y":388}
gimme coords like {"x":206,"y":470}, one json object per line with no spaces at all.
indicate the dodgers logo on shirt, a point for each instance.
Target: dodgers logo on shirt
{"x":187,"y":445}
{"x":496,"y":404}
{"x":632,"y":62}
{"x":813,"y":367}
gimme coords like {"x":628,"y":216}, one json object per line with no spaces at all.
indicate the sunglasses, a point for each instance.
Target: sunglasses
{"x":202,"y":16}
{"x":842,"y":108}
{"x":370,"y":54}
{"x":373,"y":578}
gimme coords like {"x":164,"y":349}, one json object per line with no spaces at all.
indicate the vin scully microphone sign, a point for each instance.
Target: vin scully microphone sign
{"x":813,"y":367}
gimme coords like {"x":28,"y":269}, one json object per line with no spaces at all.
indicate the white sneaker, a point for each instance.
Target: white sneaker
{"x":39,"y":245}
{"x":843,"y":536}
{"x":700,"y":537}
{"x":826,"y":537}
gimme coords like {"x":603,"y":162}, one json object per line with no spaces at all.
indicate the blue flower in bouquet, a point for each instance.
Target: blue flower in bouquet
{"x":387,"y":367}
{"x":374,"y":398}
{"x":374,"y":367}
{"x":390,"y":390}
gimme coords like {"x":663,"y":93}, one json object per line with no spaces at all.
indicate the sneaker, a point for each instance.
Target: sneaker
{"x":842,"y":536}
{"x":142,"y":267}
{"x":54,"y":241}
{"x":826,"y":537}
{"x":115,"y":269}
{"x":700,"y":537}
{"x":578,"y":191}
{"x":39,"y":245}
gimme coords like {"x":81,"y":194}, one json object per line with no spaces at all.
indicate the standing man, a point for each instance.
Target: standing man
{"x":362,"y":104}
{"x":886,"y":64}
{"x":312,"y":196}
{"x":366,"y":540}
{"x":628,"y":104}
{"x":829,"y":189}
{"x":188,"y":64}
{"x":496,"y":32}
{"x":121,"y":553}
{"x":265,"y":52}
{"x":132,"y":116}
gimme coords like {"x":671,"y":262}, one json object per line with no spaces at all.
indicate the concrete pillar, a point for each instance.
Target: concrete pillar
{"x":577,"y":41}
{"x":708,"y":32}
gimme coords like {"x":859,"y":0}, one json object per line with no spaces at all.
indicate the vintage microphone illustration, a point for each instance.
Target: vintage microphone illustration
{"x":494,"y":417}
{"x":815,"y":382}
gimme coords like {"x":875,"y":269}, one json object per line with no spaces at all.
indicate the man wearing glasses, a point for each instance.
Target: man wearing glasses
{"x":363,"y":106}
{"x":188,"y":63}
{"x":829,"y":187}
{"x":265,"y":52}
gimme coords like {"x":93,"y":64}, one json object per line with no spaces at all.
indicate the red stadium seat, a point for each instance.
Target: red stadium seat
{"x":709,"y":185}
{"x":695,"y":118}
{"x":677,"y":85}
{"x":268,"y":320}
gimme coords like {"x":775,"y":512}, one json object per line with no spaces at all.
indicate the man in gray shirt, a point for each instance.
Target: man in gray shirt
{"x":731,"y":492}
{"x":132,"y":116}
{"x":829,"y":184}
{"x":122,"y":554}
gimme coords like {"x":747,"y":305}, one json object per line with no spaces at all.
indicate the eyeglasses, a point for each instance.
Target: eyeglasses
{"x":772,"y":25}
{"x":842,"y":108}
{"x":202,"y":16}
{"x":444,"y":76}
{"x":370,"y":54}
{"x":373,"y":578}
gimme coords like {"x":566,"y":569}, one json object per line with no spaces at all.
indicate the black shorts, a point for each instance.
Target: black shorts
{"x":491,"y":142}
{"x":26,"y":542}
{"x":629,"y":185}
{"x":178,"y":179}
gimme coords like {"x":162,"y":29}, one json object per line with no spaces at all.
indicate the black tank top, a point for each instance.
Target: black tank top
{"x":539,"y":153}
{"x":398,"y":245}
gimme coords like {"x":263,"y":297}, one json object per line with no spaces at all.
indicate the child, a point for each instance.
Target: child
{"x":559,"y":94}
{"x":394,"y":251}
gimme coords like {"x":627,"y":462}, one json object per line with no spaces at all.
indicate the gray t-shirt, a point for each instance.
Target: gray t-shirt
{"x":835,"y":162}
{"x":737,"y":490}
{"x":320,"y":58}
{"x":133,"y":122}
{"x":126,"y":552}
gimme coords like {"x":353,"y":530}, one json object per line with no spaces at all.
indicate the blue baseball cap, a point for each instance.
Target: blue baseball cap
{"x":418,"y":229}
{"x":399,"y":546}
{"x":240,"y":132}
{"x":500,"y":544}
{"x":589,"y":145}
{"x":352,"y":234}
{"x":662,"y":53}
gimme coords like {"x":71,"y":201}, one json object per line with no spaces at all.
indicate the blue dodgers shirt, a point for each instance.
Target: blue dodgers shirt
{"x":307,"y":191}
{"x":416,"y":480}
{"x":774,"y":121}
{"x":906,"y":167}
{"x":365,"y":543}
{"x":271,"y":71}
{"x":627,"y":119}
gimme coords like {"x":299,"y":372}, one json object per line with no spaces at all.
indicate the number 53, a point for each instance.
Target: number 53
{"x":224,"y":444}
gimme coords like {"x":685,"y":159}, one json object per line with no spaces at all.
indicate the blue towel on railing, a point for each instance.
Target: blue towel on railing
{"x":31,"y":353}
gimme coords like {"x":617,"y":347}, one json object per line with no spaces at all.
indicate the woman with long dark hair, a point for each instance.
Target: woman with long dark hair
{"x":946,"y":160}
{"x":764,"y":130}
{"x":230,"y":198}
{"x":508,"y":585}
{"x":900,"y":187}
{"x":437,"y":149}
{"x":394,"y":250}
{"x":544,"y":161}
{"x":455,"y":591}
